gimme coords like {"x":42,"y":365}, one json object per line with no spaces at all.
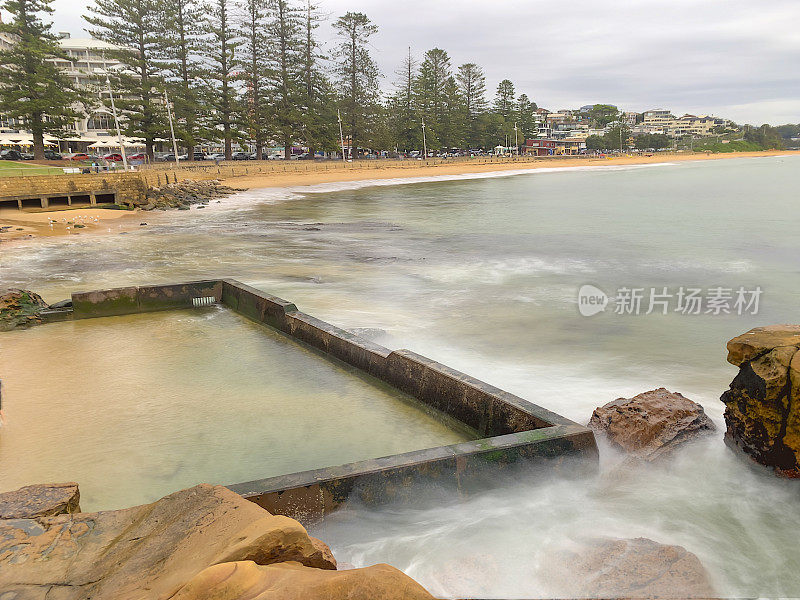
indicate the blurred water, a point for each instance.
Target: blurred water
{"x":482,"y":273}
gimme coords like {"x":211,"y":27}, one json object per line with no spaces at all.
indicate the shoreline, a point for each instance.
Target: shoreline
{"x":407,"y":169}
{"x":16,"y":225}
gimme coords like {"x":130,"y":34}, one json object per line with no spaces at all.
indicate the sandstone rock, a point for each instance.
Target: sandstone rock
{"x":33,"y":501}
{"x":19,"y":309}
{"x":292,"y":581}
{"x":147,"y":551}
{"x":652,"y":424}
{"x":762,"y":406}
{"x":627,"y":568}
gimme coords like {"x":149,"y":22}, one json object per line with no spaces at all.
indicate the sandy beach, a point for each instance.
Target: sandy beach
{"x":402,"y":169}
{"x":15,"y":225}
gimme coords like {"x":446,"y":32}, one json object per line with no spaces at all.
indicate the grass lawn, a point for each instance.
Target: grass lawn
{"x":10,"y":168}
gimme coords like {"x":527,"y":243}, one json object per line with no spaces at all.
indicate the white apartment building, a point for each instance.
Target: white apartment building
{"x":86,"y":65}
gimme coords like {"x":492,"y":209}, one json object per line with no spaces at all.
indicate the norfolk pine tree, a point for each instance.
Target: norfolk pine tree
{"x":472,"y":85}
{"x":357,"y":75}
{"x":285,"y":69}
{"x":221,"y":61}
{"x":33,"y":89}
{"x":255,"y":44}
{"x":402,"y":111}
{"x":133,"y":26}
{"x":318,"y":121}
{"x":179,"y":47}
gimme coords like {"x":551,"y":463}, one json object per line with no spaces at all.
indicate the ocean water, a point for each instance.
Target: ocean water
{"x":482,"y":273}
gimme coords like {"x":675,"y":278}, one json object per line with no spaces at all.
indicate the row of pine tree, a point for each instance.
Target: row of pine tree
{"x":255,"y":72}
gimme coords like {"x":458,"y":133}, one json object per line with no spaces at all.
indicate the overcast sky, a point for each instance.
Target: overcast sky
{"x":734,"y":58}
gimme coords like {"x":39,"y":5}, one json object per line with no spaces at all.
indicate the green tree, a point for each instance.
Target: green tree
{"x":319,"y":116}
{"x":431,"y":91}
{"x":357,"y":75}
{"x":656,"y":141}
{"x":33,"y":89}
{"x":134,"y":28}
{"x":286,"y":62}
{"x":504,"y":101}
{"x":255,"y":45}
{"x":765,"y":136}
{"x":595,"y":142}
{"x":526,"y":116}
{"x":178,"y":46}
{"x":221,"y":69}
{"x":616,"y":138}
{"x":472,"y":87}
{"x":603,"y":114}
{"x":402,"y":114}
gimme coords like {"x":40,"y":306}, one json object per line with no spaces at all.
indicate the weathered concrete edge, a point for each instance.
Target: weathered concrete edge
{"x":147,"y":298}
{"x":483,"y":407}
{"x":308,"y":496}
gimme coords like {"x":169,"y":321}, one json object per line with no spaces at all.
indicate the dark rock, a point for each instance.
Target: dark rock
{"x":60,"y":305}
{"x":20,"y":309}
{"x":627,"y":568}
{"x":762,"y":406}
{"x":652,"y":424}
{"x":44,"y":500}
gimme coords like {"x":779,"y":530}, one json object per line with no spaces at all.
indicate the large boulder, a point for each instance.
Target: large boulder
{"x":762,"y":406}
{"x":147,"y":551}
{"x":20,"y":309}
{"x":45,"y":500}
{"x":652,"y":424}
{"x":626,"y":568}
{"x":293,"y":581}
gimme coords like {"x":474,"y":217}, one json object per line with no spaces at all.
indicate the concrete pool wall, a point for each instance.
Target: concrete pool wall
{"x":510,"y":429}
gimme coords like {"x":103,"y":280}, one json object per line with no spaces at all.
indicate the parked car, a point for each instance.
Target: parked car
{"x":11,"y":155}
{"x":138,"y":156}
{"x":216,"y":156}
{"x":199,"y":156}
{"x":77,"y":156}
{"x":27,"y":156}
{"x":52,"y":155}
{"x":166,"y":157}
{"x":113,"y":157}
{"x":241,"y":156}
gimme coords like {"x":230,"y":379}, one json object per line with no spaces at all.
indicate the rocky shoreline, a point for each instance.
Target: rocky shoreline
{"x":200,"y":543}
{"x":182,"y":195}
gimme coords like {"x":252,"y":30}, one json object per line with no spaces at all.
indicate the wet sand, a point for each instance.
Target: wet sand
{"x":15,"y":224}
